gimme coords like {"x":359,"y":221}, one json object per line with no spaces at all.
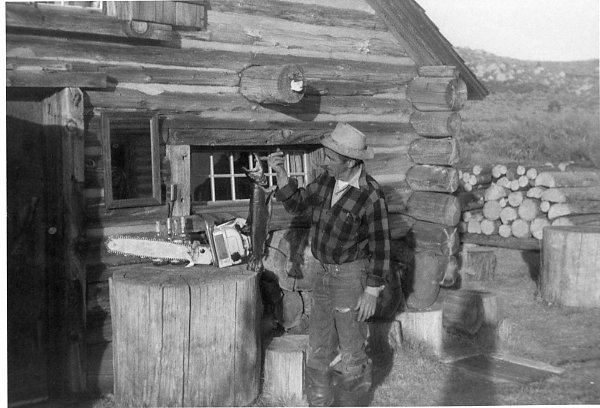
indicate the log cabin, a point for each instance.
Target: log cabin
{"x":110,"y":103}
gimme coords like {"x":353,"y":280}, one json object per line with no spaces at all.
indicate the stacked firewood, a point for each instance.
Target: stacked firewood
{"x":514,"y":200}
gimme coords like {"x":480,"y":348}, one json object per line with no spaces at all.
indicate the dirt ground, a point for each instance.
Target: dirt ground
{"x":565,"y":337}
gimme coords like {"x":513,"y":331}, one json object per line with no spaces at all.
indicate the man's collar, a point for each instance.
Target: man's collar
{"x":356,"y":178}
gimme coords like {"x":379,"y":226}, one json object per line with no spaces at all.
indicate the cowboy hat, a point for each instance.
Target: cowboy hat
{"x":348,"y":141}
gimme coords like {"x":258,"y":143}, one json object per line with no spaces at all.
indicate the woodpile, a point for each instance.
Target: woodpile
{"x":511,"y":204}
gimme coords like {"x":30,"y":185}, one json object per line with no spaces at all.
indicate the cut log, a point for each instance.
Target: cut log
{"x":503,"y":202}
{"x":471,"y":200}
{"x":436,"y":124}
{"x":498,"y":171}
{"x":424,"y":177}
{"x":434,"y":207}
{"x":423,"y":328}
{"x":462,"y":311}
{"x":397,"y":195}
{"x":576,"y":207}
{"x":520,"y":228}
{"x":567,"y":194}
{"x":510,"y":242}
{"x":537,"y":227}
{"x":427,"y":236}
{"x":437,"y":94}
{"x":515,"y":198}
{"x":535,"y":192}
{"x":523,"y":181}
{"x":284,"y":368}
{"x":275,"y":84}
{"x":503,"y":182}
{"x":515,"y":185}
{"x":491,"y":210}
{"x":505,"y":231}
{"x":472,"y":214}
{"x":474,"y":226}
{"x":529,"y":209}
{"x":438,"y":71}
{"x":578,"y":219}
{"x":495,"y":192}
{"x":172,"y":327}
{"x":545,"y":206}
{"x":489,"y":227}
{"x":570,"y":257}
{"x":443,"y":152}
{"x":478,"y":265}
{"x":568,"y":179}
{"x":482,"y":178}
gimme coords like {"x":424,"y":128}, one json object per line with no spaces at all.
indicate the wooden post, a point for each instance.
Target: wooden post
{"x":284,"y":368}
{"x":185,"y":336}
{"x":180,"y":157}
{"x":278,"y":84}
{"x":63,"y":128}
{"x":570,"y":257}
{"x":463,"y":311}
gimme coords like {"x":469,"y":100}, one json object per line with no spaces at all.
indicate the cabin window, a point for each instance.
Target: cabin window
{"x":218,"y":175}
{"x":88,"y":5}
{"x":131,"y":160}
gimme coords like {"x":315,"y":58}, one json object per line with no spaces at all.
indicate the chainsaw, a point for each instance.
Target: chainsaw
{"x":227,"y":244}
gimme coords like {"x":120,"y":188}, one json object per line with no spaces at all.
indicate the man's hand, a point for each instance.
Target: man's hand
{"x":366,"y":306}
{"x":276,"y":160}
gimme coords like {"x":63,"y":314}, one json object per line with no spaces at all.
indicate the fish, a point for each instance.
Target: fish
{"x":259,"y":213}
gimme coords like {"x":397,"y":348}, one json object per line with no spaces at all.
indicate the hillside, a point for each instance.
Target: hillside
{"x":536,"y":111}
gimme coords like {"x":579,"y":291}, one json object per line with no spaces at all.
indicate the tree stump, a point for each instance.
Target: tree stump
{"x":462,"y":311}
{"x":478,"y":265}
{"x":284,"y":367}
{"x":570,"y":258}
{"x":424,"y":328}
{"x":185,"y":336}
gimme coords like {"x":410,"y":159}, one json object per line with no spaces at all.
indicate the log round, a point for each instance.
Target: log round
{"x":273,"y":84}
{"x":185,"y":336}
{"x":570,"y":258}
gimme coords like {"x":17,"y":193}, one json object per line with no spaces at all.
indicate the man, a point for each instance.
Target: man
{"x":350,"y":237}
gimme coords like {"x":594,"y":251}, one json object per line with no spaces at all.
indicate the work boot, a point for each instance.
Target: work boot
{"x":319,"y":389}
{"x":353,"y":389}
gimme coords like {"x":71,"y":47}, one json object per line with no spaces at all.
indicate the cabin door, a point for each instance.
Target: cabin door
{"x":26,"y":257}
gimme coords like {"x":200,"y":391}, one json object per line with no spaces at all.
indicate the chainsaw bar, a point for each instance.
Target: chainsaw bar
{"x":151,"y":248}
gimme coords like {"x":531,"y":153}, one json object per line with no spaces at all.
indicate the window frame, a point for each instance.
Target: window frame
{"x":134,"y":121}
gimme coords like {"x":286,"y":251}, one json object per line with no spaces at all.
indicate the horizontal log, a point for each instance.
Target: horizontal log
{"x":568,"y":179}
{"x":342,"y":14}
{"x":425,"y":177}
{"x":437,"y":94}
{"x":400,"y":225}
{"x":529,"y":209}
{"x":520,"y":228}
{"x":55,"y":79}
{"x":235,"y":27}
{"x":471,"y":200}
{"x":491,"y":210}
{"x":239,"y":137}
{"x":44,"y":17}
{"x":436,"y":124}
{"x":443,"y":152}
{"x":273,"y":84}
{"x":537,"y":227}
{"x":388,"y":167}
{"x":233,"y":106}
{"x":434,"y":207}
{"x":210,"y":60}
{"x":440,"y":239}
{"x":525,"y":244}
{"x":577,"y":219}
{"x":566,"y":194}
{"x":396,"y":195}
{"x":439,"y":71}
{"x":575,"y":207}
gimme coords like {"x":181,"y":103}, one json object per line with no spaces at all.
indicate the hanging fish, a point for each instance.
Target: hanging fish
{"x":259,"y":212}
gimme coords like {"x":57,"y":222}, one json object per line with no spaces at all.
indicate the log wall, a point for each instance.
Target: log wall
{"x":355,"y":71}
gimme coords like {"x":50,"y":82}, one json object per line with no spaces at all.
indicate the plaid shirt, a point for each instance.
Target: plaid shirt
{"x":355,"y":227}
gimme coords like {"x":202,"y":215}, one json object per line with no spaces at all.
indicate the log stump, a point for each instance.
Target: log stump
{"x":424,"y":328}
{"x":462,"y":311}
{"x":477,"y":265}
{"x":185,"y":336}
{"x":570,"y":257}
{"x":284,"y":368}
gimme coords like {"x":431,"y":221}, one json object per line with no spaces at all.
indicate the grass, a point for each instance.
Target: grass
{"x":514,"y":127}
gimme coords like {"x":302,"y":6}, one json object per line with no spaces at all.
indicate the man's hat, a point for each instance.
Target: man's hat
{"x":348,"y":141}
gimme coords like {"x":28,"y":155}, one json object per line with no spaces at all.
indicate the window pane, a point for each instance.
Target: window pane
{"x":199,"y":176}
{"x":243,"y":188}
{"x":221,"y":160}
{"x":240,"y":160}
{"x":223,"y":189}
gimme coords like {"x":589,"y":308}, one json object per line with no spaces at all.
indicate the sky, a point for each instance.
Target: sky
{"x":538,"y":30}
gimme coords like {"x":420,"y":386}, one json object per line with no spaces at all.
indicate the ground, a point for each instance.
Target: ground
{"x":565,"y":337}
